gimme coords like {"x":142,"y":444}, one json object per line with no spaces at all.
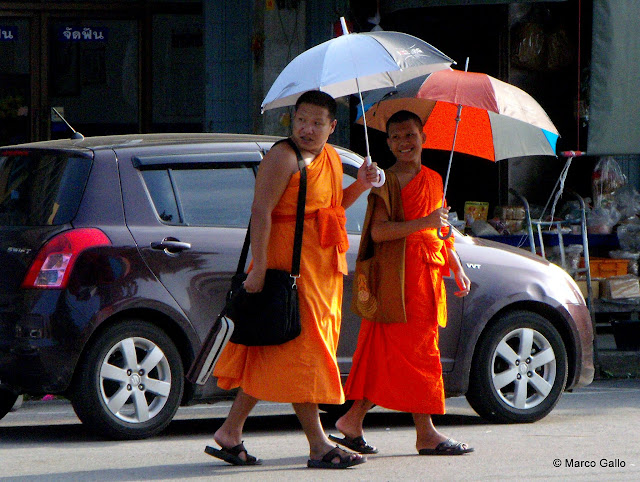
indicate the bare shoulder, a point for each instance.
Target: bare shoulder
{"x":281,"y":157}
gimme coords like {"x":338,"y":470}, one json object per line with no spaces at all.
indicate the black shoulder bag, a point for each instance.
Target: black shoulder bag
{"x":270,"y":317}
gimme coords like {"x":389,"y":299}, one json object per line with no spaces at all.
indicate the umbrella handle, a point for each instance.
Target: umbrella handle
{"x":446,"y":236}
{"x":381,"y":176}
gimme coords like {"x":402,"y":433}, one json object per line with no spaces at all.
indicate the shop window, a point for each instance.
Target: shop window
{"x":14,"y":81}
{"x":93,"y":76}
{"x":178,"y":73}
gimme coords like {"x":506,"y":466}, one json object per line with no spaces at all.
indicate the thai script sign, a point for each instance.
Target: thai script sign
{"x":7,"y":34}
{"x":82,"y":34}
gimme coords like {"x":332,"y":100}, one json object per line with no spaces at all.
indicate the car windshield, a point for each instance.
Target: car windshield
{"x":40,"y":188}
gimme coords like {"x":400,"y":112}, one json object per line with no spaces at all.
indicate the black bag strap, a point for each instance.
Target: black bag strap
{"x":302,"y":198}
{"x":297,"y":239}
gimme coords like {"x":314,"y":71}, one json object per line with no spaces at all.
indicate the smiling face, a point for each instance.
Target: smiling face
{"x":405,"y":140}
{"x":312,"y":127}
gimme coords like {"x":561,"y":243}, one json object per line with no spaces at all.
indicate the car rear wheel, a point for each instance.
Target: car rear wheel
{"x":519,"y":369}
{"x":130,"y":382}
{"x":7,"y":400}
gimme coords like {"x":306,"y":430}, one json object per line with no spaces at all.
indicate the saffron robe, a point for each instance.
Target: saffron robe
{"x":303,"y":370}
{"x":397,"y":365}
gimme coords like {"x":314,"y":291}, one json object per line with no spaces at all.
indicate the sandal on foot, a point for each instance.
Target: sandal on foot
{"x":448,"y":447}
{"x":357,"y":444}
{"x":346,"y":460}
{"x":231,"y":455}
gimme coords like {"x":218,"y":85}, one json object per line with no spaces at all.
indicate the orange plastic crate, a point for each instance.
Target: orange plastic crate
{"x":606,"y":267}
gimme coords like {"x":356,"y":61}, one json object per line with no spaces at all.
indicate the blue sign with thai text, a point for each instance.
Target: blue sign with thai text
{"x":82,"y":34}
{"x":8,"y":34}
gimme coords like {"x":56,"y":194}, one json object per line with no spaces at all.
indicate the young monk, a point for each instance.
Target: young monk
{"x":397,"y":364}
{"x":303,"y":371}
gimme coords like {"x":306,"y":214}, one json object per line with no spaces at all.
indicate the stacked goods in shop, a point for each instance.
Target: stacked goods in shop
{"x":511,"y":217}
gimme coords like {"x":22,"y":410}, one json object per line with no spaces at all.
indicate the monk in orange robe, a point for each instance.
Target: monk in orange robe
{"x":397,"y":364}
{"x":302,"y":371}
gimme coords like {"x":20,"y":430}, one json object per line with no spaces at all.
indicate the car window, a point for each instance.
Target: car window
{"x":356,"y":212}
{"x":219,"y":196}
{"x":40,"y":188}
{"x":159,"y":186}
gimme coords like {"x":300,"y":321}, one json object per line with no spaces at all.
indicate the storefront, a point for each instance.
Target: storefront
{"x":107,"y":67}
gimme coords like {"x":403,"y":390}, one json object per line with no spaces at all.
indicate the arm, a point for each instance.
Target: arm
{"x":366,"y":175}
{"x":277,"y":167}
{"x":464,"y":283}
{"x":383,"y":229}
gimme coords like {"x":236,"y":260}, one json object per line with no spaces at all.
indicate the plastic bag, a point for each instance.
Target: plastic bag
{"x":607,"y":177}
{"x":571,"y":211}
{"x":559,"y":49}
{"x":627,"y":201}
{"x":528,"y":46}
{"x":483,"y":228}
{"x":602,"y":219}
{"x":629,"y":236}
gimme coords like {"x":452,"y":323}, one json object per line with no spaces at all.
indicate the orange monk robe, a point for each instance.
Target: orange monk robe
{"x":304,"y":369}
{"x":397,"y":365}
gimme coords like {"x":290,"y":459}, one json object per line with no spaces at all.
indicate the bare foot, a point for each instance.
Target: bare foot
{"x":341,"y":455}
{"x":227,"y":440}
{"x":431,"y":441}
{"x":348,"y":429}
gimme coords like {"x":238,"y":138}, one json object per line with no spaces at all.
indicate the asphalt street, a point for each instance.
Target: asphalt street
{"x":590,"y":435}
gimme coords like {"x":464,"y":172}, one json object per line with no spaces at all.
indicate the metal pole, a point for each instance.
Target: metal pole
{"x":453,"y":146}
{"x":367,"y":159}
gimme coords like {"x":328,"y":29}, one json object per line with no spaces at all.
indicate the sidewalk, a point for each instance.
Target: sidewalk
{"x":616,"y":363}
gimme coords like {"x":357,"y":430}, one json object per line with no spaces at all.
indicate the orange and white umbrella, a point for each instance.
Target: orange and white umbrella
{"x":470,"y":113}
{"x":497,"y":120}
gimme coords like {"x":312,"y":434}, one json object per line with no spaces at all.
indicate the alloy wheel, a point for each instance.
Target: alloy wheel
{"x":135,"y":380}
{"x":523,"y":368}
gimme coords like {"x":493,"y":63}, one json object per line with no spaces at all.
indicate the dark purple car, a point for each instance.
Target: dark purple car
{"x":116,"y":254}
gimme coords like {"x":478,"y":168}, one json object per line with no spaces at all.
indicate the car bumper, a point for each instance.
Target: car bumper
{"x":39,"y":342}
{"x":583,"y":334}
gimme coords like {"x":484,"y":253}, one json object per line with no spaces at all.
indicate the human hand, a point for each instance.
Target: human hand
{"x":254,"y":282}
{"x":369,"y":174}
{"x":463,"y":282}
{"x":437,"y":218}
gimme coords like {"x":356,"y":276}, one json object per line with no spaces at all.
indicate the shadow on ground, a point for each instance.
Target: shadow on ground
{"x":77,"y":433}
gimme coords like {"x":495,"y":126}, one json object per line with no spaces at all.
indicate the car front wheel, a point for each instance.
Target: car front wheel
{"x":130,"y":381}
{"x":519,"y":369}
{"x":7,"y":400}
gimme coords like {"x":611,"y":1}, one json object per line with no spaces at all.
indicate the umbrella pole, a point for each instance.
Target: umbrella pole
{"x":367,"y":159}
{"x":453,"y":146}
{"x":381,"y":176}
{"x":364,"y":122}
{"x":455,"y":135}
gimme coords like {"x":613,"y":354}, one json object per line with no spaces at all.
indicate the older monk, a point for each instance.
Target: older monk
{"x":303,"y":371}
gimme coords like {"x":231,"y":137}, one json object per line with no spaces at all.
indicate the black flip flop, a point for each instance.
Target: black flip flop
{"x":346,"y":460}
{"x":357,"y":444}
{"x":448,"y":447}
{"x":231,"y":455}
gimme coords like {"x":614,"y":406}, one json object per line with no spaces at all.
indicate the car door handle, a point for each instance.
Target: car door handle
{"x":171,"y":245}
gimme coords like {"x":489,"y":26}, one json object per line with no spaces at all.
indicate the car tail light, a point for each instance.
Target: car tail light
{"x":13,"y":153}
{"x":54,"y":262}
